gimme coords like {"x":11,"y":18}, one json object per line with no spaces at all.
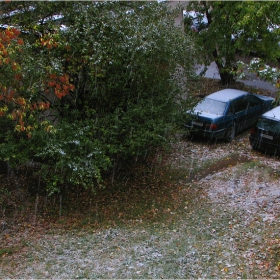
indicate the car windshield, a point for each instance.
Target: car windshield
{"x":211,"y":106}
{"x":270,"y":125}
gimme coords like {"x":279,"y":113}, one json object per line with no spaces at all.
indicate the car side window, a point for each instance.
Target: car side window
{"x":253,"y":101}
{"x":240,"y":105}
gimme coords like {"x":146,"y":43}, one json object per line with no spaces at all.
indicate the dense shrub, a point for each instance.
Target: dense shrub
{"x":108,"y":83}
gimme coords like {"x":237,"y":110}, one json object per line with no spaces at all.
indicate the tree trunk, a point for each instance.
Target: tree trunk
{"x":225,"y":70}
{"x":226,"y":77}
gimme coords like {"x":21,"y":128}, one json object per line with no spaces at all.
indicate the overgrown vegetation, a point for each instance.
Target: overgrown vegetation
{"x":94,"y":97}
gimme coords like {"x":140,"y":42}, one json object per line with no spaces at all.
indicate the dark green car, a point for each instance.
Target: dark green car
{"x":227,"y":112}
{"x":265,"y":135}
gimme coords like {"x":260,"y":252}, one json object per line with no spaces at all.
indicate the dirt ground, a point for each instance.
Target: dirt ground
{"x":222,"y":178}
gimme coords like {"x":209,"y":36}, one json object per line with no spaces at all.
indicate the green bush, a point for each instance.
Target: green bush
{"x":126,"y":103}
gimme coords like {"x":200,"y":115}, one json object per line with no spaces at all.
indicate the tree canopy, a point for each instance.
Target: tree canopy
{"x":87,"y":87}
{"x":236,"y":27}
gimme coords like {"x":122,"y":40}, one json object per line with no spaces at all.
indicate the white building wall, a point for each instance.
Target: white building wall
{"x":181,"y":5}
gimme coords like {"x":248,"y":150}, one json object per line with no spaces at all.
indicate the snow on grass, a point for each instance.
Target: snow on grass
{"x":230,"y":229}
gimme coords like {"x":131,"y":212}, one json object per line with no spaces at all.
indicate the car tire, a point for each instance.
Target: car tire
{"x":230,"y":133}
{"x":254,"y":146}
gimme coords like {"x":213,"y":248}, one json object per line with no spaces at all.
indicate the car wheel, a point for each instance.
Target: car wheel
{"x":254,"y":145}
{"x":230,"y":133}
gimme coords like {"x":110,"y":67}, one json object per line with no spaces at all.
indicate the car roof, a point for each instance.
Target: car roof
{"x":226,"y":95}
{"x":273,"y":114}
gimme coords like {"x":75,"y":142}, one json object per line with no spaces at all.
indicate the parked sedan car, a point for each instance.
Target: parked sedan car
{"x":227,"y":112}
{"x":265,"y":135}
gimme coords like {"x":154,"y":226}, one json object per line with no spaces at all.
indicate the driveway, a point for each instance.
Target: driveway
{"x":251,"y":79}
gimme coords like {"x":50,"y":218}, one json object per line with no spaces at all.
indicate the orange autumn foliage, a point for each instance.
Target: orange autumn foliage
{"x":13,"y":104}
{"x":60,"y":84}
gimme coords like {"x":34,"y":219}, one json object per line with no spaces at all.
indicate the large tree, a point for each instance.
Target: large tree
{"x":236,"y":27}
{"x":106,"y":74}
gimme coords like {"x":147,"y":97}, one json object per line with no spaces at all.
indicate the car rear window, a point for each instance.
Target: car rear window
{"x":270,"y":125}
{"x":211,"y":106}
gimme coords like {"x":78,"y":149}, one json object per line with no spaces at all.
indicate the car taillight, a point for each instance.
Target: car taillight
{"x":253,"y":130}
{"x":213,"y":126}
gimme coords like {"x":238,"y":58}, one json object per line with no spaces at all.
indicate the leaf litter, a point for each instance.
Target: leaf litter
{"x":220,"y":221}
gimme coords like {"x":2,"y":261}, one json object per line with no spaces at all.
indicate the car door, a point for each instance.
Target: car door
{"x":255,"y":109}
{"x":239,"y":107}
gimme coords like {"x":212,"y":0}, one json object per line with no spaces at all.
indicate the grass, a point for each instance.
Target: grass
{"x":208,"y":243}
{"x":7,"y":251}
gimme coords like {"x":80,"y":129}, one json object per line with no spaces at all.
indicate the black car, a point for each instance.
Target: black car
{"x":227,"y":112}
{"x":265,"y":135}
